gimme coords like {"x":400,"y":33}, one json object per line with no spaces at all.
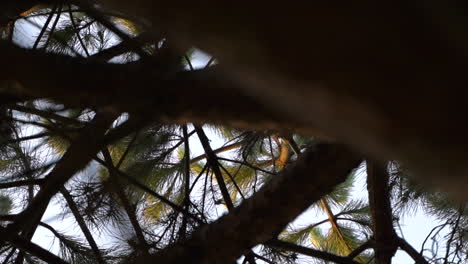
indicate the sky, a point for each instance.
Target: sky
{"x":415,"y":227}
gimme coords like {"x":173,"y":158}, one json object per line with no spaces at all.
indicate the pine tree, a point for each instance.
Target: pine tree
{"x":111,"y":141}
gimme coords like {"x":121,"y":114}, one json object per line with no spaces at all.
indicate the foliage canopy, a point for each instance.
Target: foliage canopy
{"x":100,"y":116}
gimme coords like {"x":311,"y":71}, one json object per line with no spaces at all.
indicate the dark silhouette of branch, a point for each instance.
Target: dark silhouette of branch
{"x":357,"y":251}
{"x":186,"y":203}
{"x":310,"y":252}
{"x":214,"y":165}
{"x":29,"y":247}
{"x":120,"y":48}
{"x":80,"y":152}
{"x":145,"y":188}
{"x":216,"y":168}
{"x":5,"y":185}
{"x":217,"y":151}
{"x":82,"y":224}
{"x":46,"y":114}
{"x":127,"y":205}
{"x":17,"y":140}
{"x":379,"y":202}
{"x":418,"y":258}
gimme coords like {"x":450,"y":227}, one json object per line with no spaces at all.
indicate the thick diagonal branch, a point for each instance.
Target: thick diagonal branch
{"x":80,"y":152}
{"x":259,"y":218}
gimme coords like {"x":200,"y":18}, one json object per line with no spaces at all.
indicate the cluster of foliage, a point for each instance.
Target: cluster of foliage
{"x":134,"y":179}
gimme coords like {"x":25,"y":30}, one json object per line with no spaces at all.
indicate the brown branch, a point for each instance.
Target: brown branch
{"x":382,"y":221}
{"x":310,"y":252}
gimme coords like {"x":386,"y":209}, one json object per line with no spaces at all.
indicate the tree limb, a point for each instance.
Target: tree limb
{"x":256,"y":221}
{"x":311,"y":252}
{"x":381,"y":212}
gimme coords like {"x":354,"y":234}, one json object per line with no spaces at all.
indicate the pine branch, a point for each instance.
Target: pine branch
{"x":323,"y":202}
{"x":5,"y":185}
{"x":183,"y":227}
{"x":174,"y":99}
{"x":217,"y":151}
{"x":81,"y":223}
{"x":263,"y":216}
{"x":381,"y":211}
{"x":412,"y":252}
{"x":146,"y":189}
{"x":29,"y":247}
{"x":128,"y":206}
{"x":357,"y":251}
{"x":47,"y":114}
{"x":80,"y":152}
{"x":214,"y":165}
{"x":310,"y":252}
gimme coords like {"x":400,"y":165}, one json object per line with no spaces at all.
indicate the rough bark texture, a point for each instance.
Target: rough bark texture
{"x":261,"y":217}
